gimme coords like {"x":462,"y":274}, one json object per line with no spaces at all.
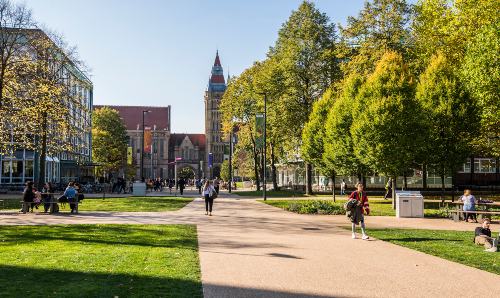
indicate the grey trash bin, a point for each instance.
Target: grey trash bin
{"x":409,"y":204}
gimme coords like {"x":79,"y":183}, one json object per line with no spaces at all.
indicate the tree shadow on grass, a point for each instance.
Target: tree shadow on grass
{"x":137,"y":235}
{"x":36,"y":282}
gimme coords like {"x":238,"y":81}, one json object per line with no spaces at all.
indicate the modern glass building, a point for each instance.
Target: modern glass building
{"x":23,"y":165}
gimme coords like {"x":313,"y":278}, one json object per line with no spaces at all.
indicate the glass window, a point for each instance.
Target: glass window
{"x":487,"y":165}
{"x":28,"y":171}
{"x":6,"y":168}
{"x":17,"y":168}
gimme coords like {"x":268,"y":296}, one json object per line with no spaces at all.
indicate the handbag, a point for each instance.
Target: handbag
{"x":214,"y":195}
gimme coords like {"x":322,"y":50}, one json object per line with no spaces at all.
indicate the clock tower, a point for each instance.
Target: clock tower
{"x":213,"y":122}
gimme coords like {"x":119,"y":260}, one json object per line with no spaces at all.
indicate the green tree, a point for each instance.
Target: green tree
{"x":481,"y":75}
{"x":305,"y":50}
{"x":186,"y":173}
{"x":109,"y":135}
{"x":338,"y":144}
{"x":313,"y":135}
{"x":224,"y":171}
{"x":382,"y":25}
{"x":387,"y":124}
{"x":450,"y":113}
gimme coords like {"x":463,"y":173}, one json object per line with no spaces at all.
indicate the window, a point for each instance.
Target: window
{"x":481,"y":165}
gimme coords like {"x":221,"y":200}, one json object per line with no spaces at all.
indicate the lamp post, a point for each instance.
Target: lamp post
{"x":229,"y":188}
{"x":142,"y":146}
{"x":264,"y":195}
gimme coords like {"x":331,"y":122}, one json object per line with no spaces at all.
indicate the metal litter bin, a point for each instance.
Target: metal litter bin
{"x":409,"y":204}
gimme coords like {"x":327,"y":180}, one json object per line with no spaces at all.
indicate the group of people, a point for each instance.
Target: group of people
{"x":33,"y":198}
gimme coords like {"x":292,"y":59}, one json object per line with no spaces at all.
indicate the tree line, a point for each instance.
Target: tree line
{"x":400,"y":87}
{"x":39,"y":98}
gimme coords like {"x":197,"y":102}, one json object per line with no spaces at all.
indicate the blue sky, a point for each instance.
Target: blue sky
{"x":159,"y":52}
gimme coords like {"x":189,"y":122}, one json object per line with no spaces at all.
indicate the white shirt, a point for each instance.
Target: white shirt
{"x":208,"y":190}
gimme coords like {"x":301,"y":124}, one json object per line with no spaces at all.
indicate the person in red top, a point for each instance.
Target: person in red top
{"x":362,"y":208}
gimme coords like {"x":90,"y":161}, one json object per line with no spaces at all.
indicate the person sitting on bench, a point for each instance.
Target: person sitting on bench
{"x":483,"y":237}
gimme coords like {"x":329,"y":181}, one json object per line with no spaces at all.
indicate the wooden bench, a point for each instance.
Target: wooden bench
{"x":456,"y":213}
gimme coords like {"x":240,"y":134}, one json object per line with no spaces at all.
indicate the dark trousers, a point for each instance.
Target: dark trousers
{"x":72,"y":203}
{"x":209,"y":203}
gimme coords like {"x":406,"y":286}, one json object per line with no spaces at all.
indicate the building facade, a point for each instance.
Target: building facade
{"x":215,"y":144}
{"x":23,"y":165}
{"x":157,"y":126}
{"x":187,"y":151}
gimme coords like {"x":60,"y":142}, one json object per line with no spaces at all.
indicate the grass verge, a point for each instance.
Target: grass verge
{"x":456,"y":246}
{"x":129,"y":204}
{"x":99,"y":261}
{"x":377,"y":207}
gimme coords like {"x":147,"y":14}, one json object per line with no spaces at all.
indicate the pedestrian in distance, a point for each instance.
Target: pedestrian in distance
{"x":209,"y":194}
{"x":48,"y":196}
{"x":388,"y":189}
{"x":182,"y":184}
{"x":357,"y":206}
{"x":342,"y":187}
{"x":216,"y":184}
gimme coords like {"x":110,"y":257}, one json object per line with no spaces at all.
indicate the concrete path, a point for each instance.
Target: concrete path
{"x":249,"y":249}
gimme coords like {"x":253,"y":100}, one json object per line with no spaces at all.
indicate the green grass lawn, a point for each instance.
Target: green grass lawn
{"x":130,"y":204}
{"x":270,"y":193}
{"x":99,"y":261}
{"x":456,"y":246}
{"x":377,"y":207}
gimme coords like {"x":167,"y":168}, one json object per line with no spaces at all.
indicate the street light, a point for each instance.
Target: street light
{"x":264,"y":150}
{"x":142,"y":146}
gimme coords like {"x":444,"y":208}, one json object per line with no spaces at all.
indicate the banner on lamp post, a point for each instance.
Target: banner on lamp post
{"x":148,"y":138}
{"x":259,"y":130}
{"x":129,"y":155}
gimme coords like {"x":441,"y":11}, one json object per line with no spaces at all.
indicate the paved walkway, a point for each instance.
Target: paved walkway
{"x":249,"y":249}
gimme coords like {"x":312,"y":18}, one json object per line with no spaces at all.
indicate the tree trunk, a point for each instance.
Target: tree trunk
{"x":333,"y":185}
{"x":424,"y":176}
{"x":273,"y":169}
{"x":442,"y":184}
{"x":256,"y":168}
{"x":471,"y":180}
{"x":309,"y":190}
{"x":394,"y":186}
{"x":43,"y":152}
{"x":405,"y":181}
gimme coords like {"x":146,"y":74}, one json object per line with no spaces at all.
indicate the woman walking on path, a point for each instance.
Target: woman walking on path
{"x":208,"y":194}
{"x":469,"y":205}
{"x":360,"y":207}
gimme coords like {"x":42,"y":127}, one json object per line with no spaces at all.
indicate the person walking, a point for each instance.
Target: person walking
{"x":28,"y":197}
{"x":388,"y":189}
{"x":181,"y":183}
{"x":342,"y":187}
{"x":209,"y":194}
{"x":361,"y":207}
{"x":469,"y":205}
{"x":216,"y":184}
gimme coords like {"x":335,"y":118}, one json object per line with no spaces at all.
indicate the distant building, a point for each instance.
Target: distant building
{"x":190,"y":151}
{"x":158,"y":123}
{"x":213,"y":122}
